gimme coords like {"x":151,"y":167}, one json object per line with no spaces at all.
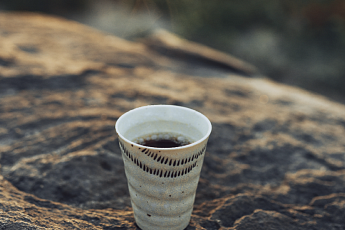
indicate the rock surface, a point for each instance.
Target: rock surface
{"x":275,"y":159}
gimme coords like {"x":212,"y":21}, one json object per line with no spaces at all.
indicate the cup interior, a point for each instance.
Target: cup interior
{"x":154,"y":119}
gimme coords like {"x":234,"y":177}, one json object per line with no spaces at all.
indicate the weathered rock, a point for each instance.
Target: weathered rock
{"x":275,"y":159}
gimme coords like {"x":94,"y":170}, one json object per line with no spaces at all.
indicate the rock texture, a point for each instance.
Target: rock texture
{"x":275,"y":159}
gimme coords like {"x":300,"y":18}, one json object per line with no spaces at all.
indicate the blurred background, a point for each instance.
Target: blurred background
{"x":296,"y":42}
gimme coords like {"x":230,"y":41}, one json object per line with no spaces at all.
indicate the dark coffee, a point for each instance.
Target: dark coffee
{"x":163,"y":143}
{"x":163,"y":140}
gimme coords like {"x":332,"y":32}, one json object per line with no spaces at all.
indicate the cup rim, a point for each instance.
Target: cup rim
{"x":165,"y":149}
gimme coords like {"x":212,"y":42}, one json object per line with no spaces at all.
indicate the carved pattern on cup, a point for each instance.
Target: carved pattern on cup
{"x":163,"y":160}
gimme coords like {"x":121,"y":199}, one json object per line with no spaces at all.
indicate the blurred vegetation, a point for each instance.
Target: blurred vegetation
{"x":206,"y":19}
{"x":298,"y":42}
{"x":50,"y":7}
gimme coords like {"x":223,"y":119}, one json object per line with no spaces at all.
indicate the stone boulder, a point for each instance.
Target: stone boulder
{"x":275,"y":158}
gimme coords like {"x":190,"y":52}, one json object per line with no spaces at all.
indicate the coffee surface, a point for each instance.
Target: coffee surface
{"x":163,"y":143}
{"x":163,"y":140}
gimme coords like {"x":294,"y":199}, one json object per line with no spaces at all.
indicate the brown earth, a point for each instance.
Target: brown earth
{"x":275,"y":159}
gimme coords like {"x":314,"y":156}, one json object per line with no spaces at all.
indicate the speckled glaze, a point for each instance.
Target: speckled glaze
{"x":162,"y":181}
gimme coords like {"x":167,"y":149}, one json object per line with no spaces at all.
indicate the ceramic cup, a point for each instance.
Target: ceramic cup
{"x":162,"y":181}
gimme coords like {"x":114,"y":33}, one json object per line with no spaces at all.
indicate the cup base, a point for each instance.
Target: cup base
{"x":148,"y":226}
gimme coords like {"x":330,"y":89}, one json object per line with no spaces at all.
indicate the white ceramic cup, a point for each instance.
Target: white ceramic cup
{"x":162,"y":181}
